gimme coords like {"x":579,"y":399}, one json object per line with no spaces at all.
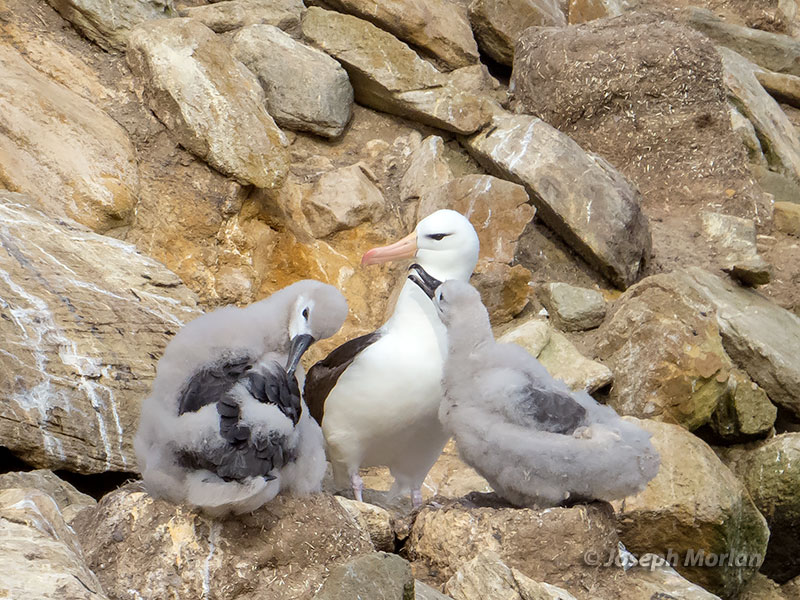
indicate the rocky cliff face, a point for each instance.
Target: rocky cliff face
{"x":632,"y":170}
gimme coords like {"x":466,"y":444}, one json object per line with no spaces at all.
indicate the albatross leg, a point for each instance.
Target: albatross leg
{"x":416,"y":498}
{"x":358,"y":486}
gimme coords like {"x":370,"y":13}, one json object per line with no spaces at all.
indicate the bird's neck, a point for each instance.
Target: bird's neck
{"x":469,"y":334}
{"x":414,"y":311}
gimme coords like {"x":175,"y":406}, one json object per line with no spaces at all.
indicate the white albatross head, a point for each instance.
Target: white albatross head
{"x":444,"y":244}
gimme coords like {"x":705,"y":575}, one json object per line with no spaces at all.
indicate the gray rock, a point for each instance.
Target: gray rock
{"x":210,"y":101}
{"x":573,"y":308}
{"x":61,"y":150}
{"x":376,"y":521}
{"x":85,"y":318}
{"x":781,"y":187}
{"x":745,"y":412}
{"x":425,"y":592}
{"x":342,"y":199}
{"x":734,"y":239}
{"x":579,"y":195}
{"x":438,"y":28}
{"x":498,"y":25}
{"x":771,"y":473}
{"x":487,"y":577}
{"x":744,"y":129}
{"x":42,"y":556}
{"x":760,"y":336}
{"x":773,"y":51}
{"x":68,"y":499}
{"x":426,"y":170}
{"x":781,"y":86}
{"x":786,"y":217}
{"x":109,"y":24}
{"x":376,"y":575}
{"x":306,"y":89}
{"x":388,"y":75}
{"x":233,"y":14}
{"x":777,"y":135}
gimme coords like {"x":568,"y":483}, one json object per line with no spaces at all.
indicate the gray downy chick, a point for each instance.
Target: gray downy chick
{"x":537,"y":442}
{"x":225,"y":429}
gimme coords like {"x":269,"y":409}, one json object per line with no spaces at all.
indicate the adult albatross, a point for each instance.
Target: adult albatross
{"x":224,"y":428}
{"x":377,"y":396}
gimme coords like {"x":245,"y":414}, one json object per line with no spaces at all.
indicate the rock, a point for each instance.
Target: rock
{"x":68,"y":499}
{"x":744,"y":129}
{"x":498,"y":25}
{"x":84,"y":319}
{"x":425,"y":592}
{"x":681,"y":379}
{"x":791,"y":589}
{"x":573,"y":308}
{"x":671,"y":138}
{"x":786,"y":217}
{"x":444,"y":538}
{"x":581,"y":11}
{"x":234,"y":14}
{"x":306,"y":89}
{"x":376,"y":521}
{"x":579,"y":195}
{"x":487,"y":577}
{"x":45,"y":553}
{"x":559,"y":356}
{"x":761,"y":337}
{"x":735,"y":240}
{"x":218,"y":112}
{"x":745,"y":412}
{"x":693,"y":512}
{"x":771,"y":473}
{"x":376,"y":575}
{"x":504,"y":289}
{"x":498,"y":209}
{"x":159,"y":550}
{"x":61,"y":150}
{"x":343,"y":199}
{"x":438,"y":28}
{"x":110,"y":25}
{"x":761,"y":587}
{"x":784,"y":88}
{"x":653,"y":578}
{"x":427,"y":169}
{"x":778,"y":139}
{"x":773,"y":51}
{"x":387,"y":75}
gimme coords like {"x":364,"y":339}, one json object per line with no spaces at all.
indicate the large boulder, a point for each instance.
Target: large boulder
{"x":233,"y":14}
{"x":376,"y":575}
{"x":745,"y":413}
{"x":572,"y":308}
{"x":210,"y":101}
{"x":68,"y":499}
{"x":774,"y":130}
{"x":388,"y":75}
{"x":498,"y":25}
{"x":683,"y":378}
{"x":43,"y":557}
{"x":305,"y":89}
{"x":579,"y":195}
{"x":62,"y":150}
{"x":438,"y":28}
{"x":427,"y":169}
{"x":159,"y":550}
{"x":771,"y":473}
{"x":734,"y":240}
{"x":107,"y":24}
{"x":695,"y":514}
{"x":85,"y":318}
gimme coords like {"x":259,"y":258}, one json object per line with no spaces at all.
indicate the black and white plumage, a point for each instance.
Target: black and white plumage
{"x":225,"y":428}
{"x":535,"y":441}
{"x":377,"y":396}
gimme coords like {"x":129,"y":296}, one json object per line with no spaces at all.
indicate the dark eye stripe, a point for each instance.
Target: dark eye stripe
{"x":305,"y":313}
{"x":438,"y":236}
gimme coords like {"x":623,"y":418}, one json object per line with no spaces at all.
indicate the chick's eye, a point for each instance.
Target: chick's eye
{"x":305,"y":314}
{"x":438,"y":236}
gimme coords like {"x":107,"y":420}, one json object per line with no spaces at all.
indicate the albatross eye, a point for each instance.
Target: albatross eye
{"x":305,"y":313}
{"x":438,"y":236}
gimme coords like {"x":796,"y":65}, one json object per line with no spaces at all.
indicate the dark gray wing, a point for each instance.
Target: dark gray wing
{"x":322,"y":377}
{"x":211,"y":382}
{"x":245,"y":454}
{"x":549,"y":409}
